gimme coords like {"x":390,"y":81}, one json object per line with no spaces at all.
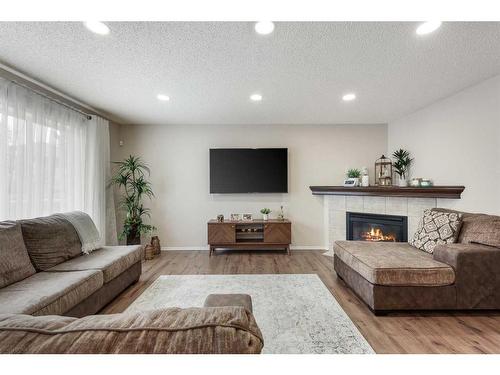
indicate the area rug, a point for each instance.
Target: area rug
{"x":296,"y":313}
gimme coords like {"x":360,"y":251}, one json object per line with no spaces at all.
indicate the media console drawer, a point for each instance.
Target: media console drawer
{"x":252,"y":235}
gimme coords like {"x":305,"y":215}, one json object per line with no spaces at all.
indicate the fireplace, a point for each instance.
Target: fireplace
{"x":376,"y":228}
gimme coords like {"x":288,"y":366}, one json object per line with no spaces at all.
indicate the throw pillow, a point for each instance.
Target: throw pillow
{"x":15,"y":264}
{"x":436,"y":228}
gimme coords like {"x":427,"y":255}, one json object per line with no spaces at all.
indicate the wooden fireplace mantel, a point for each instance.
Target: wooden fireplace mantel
{"x":450,"y":192}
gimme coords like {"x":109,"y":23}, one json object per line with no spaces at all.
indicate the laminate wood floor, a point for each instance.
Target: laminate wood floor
{"x":447,"y":332}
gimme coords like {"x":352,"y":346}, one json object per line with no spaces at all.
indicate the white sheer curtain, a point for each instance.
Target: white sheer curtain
{"x":52,"y":159}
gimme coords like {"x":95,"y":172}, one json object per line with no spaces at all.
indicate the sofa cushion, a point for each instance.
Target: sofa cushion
{"x":111,"y":260}
{"x":217,"y":330}
{"x":481,"y":229}
{"x":436,"y":228}
{"x":393,"y":263}
{"x":50,"y":240}
{"x":47,"y":293}
{"x":15,"y":264}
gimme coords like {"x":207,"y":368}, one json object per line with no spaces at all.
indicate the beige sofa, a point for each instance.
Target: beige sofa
{"x":397,"y":276}
{"x":43,"y":271}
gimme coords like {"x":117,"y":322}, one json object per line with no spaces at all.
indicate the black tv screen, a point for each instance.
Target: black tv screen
{"x":248,"y":170}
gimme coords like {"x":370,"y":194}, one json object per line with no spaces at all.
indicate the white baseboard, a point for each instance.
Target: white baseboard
{"x":198,"y":248}
{"x":184,"y":248}
{"x":300,"y":247}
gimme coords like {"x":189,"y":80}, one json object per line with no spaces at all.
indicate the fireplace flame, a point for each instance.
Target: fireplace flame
{"x":376,"y":235}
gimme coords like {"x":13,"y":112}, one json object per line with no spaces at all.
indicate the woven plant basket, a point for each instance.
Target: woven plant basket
{"x":149,"y":252}
{"x":155,"y":242}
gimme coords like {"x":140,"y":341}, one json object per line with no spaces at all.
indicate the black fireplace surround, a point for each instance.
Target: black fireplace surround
{"x":376,"y":227}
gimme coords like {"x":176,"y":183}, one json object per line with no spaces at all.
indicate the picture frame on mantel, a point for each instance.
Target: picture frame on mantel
{"x":351,"y":182}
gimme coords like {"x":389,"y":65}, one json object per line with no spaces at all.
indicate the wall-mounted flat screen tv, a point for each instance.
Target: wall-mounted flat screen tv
{"x":248,"y":170}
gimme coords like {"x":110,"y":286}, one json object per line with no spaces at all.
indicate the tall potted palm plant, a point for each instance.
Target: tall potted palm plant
{"x":131,"y":178}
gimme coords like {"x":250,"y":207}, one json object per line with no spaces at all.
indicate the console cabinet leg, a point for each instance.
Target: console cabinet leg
{"x":288,"y":250}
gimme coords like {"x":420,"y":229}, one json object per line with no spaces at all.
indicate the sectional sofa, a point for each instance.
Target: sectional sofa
{"x":43,"y":270}
{"x":397,"y":276}
{"x":49,"y":289}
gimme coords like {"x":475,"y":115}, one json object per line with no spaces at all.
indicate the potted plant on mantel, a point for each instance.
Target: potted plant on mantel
{"x":354,"y":174}
{"x":131,"y":177}
{"x":401,"y":165}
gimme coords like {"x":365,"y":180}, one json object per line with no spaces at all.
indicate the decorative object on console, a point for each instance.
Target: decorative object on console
{"x":415,"y":182}
{"x":247,"y":217}
{"x":353,"y":176}
{"x":265,"y":213}
{"x":436,"y":228}
{"x":220,"y":218}
{"x":383,"y":171}
{"x":235,"y":217}
{"x":281,"y":215}
{"x":426,"y":182}
{"x":155,"y":242}
{"x":402,"y":165}
{"x":365,"y":178}
{"x":131,"y":176}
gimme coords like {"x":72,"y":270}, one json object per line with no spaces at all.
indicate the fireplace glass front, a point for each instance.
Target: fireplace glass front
{"x":376,"y":227}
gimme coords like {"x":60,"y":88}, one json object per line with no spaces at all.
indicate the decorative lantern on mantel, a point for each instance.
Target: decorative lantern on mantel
{"x":383,"y":171}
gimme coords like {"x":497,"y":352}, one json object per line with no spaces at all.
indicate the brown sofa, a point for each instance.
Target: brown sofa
{"x":226,"y":326}
{"x":43,"y":271}
{"x":397,"y":276}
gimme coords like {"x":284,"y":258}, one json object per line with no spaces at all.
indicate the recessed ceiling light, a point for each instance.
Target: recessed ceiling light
{"x":256,"y":97}
{"x":349,"y":97}
{"x":428,"y":27}
{"x":264,"y":27}
{"x":163,"y":98}
{"x":97,"y":27}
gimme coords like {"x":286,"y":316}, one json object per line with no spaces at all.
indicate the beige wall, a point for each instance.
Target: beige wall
{"x":456,"y":141}
{"x":178,"y":157}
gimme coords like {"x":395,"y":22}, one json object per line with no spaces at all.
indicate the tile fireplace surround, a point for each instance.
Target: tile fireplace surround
{"x":336,"y":206}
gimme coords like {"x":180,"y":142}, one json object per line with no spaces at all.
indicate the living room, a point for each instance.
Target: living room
{"x":233,"y":186}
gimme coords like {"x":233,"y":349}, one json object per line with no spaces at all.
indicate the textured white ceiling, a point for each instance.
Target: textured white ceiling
{"x":210,"y":69}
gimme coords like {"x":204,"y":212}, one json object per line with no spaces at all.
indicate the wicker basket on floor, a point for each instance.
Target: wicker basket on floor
{"x":149,"y":252}
{"x":155,"y":242}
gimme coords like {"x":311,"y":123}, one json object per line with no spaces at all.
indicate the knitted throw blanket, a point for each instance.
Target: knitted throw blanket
{"x":86,"y":229}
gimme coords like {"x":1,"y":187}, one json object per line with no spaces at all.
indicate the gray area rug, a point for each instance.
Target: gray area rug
{"x":296,"y":313}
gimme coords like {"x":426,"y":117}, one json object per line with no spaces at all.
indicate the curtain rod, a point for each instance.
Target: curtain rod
{"x":46,"y":91}
{"x":87,"y":116}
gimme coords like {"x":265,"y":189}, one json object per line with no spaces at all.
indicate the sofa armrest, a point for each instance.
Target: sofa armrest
{"x":477,"y":276}
{"x":220,"y":300}
{"x":456,"y":254}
